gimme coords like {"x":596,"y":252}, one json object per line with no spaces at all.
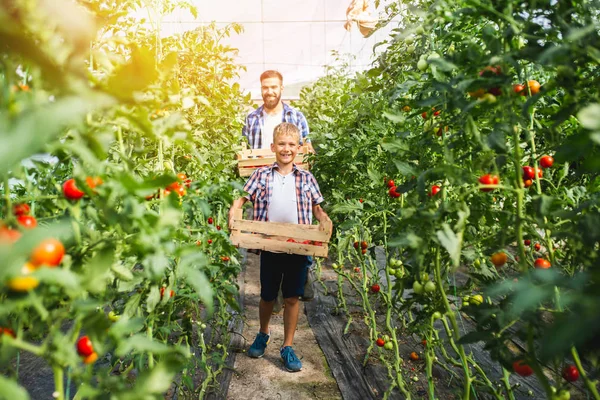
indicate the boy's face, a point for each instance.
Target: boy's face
{"x":285,"y":148}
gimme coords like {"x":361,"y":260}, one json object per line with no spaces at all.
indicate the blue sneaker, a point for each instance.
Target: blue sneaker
{"x":257,"y":349}
{"x":290,"y":361}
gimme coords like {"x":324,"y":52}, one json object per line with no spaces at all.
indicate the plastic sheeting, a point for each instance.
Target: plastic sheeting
{"x":296,"y":37}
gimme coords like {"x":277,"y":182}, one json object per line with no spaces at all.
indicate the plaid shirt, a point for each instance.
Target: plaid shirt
{"x":260,"y":190}
{"x":254,"y":123}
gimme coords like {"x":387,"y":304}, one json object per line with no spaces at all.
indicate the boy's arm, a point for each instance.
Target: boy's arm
{"x":237,"y":203}
{"x":320,"y":214}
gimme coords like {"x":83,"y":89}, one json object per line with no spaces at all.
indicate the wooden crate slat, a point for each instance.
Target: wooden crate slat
{"x":297,"y":232}
{"x":250,"y":241}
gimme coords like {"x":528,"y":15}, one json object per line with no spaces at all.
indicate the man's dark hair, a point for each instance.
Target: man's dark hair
{"x":271,"y":74}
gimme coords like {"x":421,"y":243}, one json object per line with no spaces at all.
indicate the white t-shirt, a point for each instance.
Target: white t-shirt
{"x":269,"y":124}
{"x":283,"y":206}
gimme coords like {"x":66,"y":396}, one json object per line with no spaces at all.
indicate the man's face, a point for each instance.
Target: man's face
{"x":271,"y":92}
{"x":285,"y":148}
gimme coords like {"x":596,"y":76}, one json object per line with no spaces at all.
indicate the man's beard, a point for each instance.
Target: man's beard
{"x":271,"y":102}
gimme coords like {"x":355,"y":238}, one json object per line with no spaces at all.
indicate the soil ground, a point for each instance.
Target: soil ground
{"x":266,"y":378}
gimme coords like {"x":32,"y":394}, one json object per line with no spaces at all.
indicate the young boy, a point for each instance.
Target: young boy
{"x":282,"y":192}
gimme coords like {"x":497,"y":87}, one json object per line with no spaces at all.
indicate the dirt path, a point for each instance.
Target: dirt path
{"x":265,"y":378}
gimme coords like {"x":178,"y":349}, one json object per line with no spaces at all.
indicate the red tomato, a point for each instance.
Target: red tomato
{"x":356,"y":269}
{"x":537,"y":247}
{"x":522,"y":369}
{"x":527,"y":242}
{"x":225,"y":258}
{"x":27,"y":221}
{"x":364,"y":245}
{"x":390,"y":183}
{"x":527,"y":183}
{"x":392,"y":192}
{"x":92,"y":358}
{"x":424,"y":115}
{"x":570,"y":373}
{"x":436,"y":113}
{"x":375,"y":288}
{"x":209,"y":241}
{"x":490,"y":71}
{"x":84,"y":346}
{"x":218,"y":227}
{"x":21,"y":209}
{"x":162,"y":292}
{"x":70,"y":190}
{"x":7,"y":331}
{"x":424,"y":342}
{"x":489,"y":180}
{"x":434,"y":190}
{"x":290,"y":240}
{"x":539,"y":172}
{"x":318,"y":243}
{"x":49,"y":252}
{"x":499,"y":259}
{"x":528,"y":173}
{"x":8,"y":235}
{"x":380,"y":342}
{"x":181,"y":191}
{"x":546,"y":161}
{"x":307,"y":242}
{"x":542,"y":264}
{"x":181,"y":176}
{"x":414,"y":356}
{"x":210,"y":220}
{"x":360,"y":200}
{"x":519,"y":89}
{"x":364,"y":251}
{"x":356,"y":245}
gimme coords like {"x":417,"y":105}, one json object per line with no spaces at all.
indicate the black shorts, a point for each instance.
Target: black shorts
{"x":288,"y":271}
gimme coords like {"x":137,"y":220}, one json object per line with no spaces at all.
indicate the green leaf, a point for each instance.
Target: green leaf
{"x":197,"y":280}
{"x":23,"y":137}
{"x":451,"y":243}
{"x":153,"y":299}
{"x":441,"y":64}
{"x":10,"y":390}
{"x":397,"y":118}
{"x":60,"y":277}
{"x":405,"y":168}
{"x":590,"y":117}
{"x":132,"y":305}
{"x":406,"y":240}
{"x":142,"y":344}
{"x":125,"y":327}
{"x":96,"y":270}
{"x":134,"y":76}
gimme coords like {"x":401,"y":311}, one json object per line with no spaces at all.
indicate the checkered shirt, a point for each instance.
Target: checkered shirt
{"x":260,"y":190}
{"x":254,"y":123}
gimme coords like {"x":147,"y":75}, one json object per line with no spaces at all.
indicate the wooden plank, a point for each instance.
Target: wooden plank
{"x":295,"y":231}
{"x":253,"y":241}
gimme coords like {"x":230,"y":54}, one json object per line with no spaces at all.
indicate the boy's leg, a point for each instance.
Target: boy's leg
{"x":292,"y":286}
{"x":265,"y":310}
{"x":270,"y":282}
{"x":290,"y":320}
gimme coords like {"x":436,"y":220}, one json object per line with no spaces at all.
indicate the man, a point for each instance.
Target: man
{"x":259,"y":125}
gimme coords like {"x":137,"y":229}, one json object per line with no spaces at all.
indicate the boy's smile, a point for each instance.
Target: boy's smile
{"x":285,"y":148}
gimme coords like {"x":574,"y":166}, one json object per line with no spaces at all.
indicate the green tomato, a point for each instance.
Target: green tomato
{"x":488,"y":98}
{"x":422,"y":65}
{"x":465,"y":303}
{"x":477,"y":263}
{"x":429,"y":287}
{"x":388,"y":346}
{"x":451,"y":49}
{"x":424,"y":277}
{"x":334,"y":266}
{"x":564,"y":395}
{"x":437,"y":315}
{"x":476,"y":300}
{"x":410,"y":49}
{"x":113,"y":317}
{"x":420,"y":30}
{"x":433,"y":56}
{"x":399,"y":273}
{"x":386,"y":338}
{"x":391,"y":271}
{"x":417,"y":287}
{"x":409,"y":40}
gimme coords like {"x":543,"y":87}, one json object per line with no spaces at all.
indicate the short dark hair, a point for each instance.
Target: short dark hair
{"x":271,"y":74}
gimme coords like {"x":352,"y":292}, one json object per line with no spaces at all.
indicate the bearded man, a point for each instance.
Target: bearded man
{"x":259,"y":125}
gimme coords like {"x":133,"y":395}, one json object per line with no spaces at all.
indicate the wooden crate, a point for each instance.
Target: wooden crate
{"x":274,"y":236}
{"x":251,"y":159}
